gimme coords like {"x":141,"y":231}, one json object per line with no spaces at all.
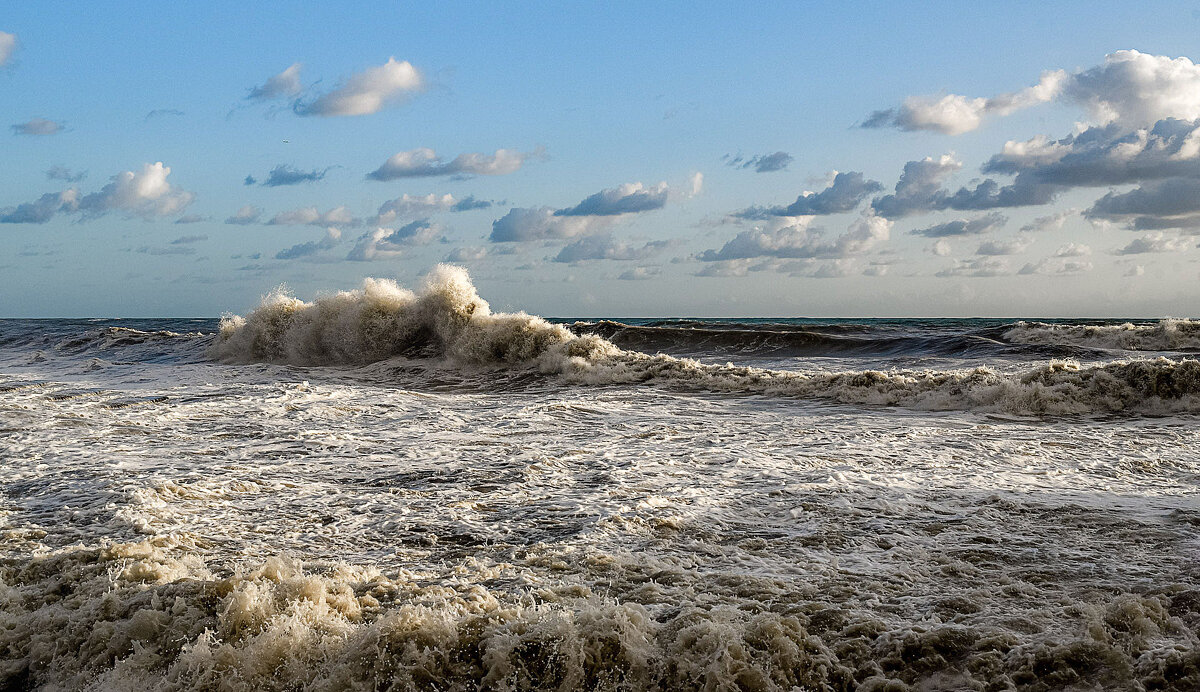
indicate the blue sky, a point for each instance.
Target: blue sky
{"x":616,"y":159}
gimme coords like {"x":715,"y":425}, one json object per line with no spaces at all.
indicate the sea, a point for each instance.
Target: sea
{"x":395,"y":489}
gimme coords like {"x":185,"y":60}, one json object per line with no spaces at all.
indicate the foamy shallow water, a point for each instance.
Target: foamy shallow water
{"x":416,"y":524}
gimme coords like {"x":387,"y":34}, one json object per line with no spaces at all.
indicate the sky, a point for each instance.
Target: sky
{"x":605,"y":159}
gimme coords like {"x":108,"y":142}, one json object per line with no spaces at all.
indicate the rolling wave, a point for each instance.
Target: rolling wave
{"x":447,"y":319}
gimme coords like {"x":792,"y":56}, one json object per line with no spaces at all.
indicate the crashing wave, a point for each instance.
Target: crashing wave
{"x":1164,"y":335}
{"x":447,"y":319}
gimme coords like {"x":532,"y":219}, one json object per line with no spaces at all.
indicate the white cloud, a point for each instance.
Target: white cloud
{"x":1154,"y":242}
{"x":800,"y":241}
{"x":940,"y":248}
{"x":1056,"y":266}
{"x":8,"y":46}
{"x":1073,"y":250}
{"x":366,"y":92}
{"x":981,"y":267}
{"x":696,"y":184}
{"x":386,"y":243}
{"x":37,"y":126}
{"x":1052,"y":222}
{"x":640,"y":273}
{"x":145,"y":193}
{"x":953,"y":114}
{"x":248,"y":214}
{"x":408,"y":206}
{"x":600,"y":247}
{"x":311,"y":216}
{"x":522,"y":224}
{"x":467,"y":254}
{"x":286,"y":84}
{"x":1005,"y":246}
{"x":424,"y":162}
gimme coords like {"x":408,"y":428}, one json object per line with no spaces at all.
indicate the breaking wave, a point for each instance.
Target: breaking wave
{"x":1165,"y":335}
{"x":449,"y":320}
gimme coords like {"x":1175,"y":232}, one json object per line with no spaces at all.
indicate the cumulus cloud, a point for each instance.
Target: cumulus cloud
{"x":41,"y":210}
{"x":385,"y":243}
{"x":1073,"y":250}
{"x":799,"y":241}
{"x":601,"y":247}
{"x":920,"y":182}
{"x":8,"y":46}
{"x":1129,"y":88}
{"x":940,"y":248}
{"x":843,"y":195}
{"x":763,"y":163}
{"x":145,"y":193}
{"x":65,"y":174}
{"x":284,"y":174}
{"x":37,"y":126}
{"x":311,"y":248}
{"x":523,"y":224}
{"x":1051,"y":222}
{"x":959,"y":227}
{"x":981,"y":267}
{"x":640,"y":273}
{"x":1154,"y":243}
{"x":953,"y":114}
{"x":425,"y":163}
{"x":1056,"y":266}
{"x":311,"y":216}
{"x":629,"y":198}
{"x":248,"y":214}
{"x":1158,"y":201}
{"x":366,"y":92}
{"x":286,"y":84}
{"x":1005,"y":246}
{"x":467,"y":254}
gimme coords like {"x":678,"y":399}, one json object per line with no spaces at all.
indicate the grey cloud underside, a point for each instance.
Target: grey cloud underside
{"x":37,"y":127}
{"x":960,"y":227}
{"x":763,"y":163}
{"x":593,"y":214}
{"x":844,"y":194}
{"x":615,"y":201}
{"x":799,"y":242}
{"x":41,"y":210}
{"x":284,"y":174}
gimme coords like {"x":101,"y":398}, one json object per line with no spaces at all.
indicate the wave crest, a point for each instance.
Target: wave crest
{"x":1165,"y":335}
{"x":448,"y":319}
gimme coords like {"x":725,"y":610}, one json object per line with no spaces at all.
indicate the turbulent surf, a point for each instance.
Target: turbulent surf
{"x":386,"y":488}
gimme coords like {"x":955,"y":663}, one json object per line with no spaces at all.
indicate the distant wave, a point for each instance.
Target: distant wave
{"x":1165,"y":335}
{"x":447,"y":319}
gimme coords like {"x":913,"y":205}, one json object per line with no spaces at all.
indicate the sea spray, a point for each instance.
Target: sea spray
{"x":448,"y":320}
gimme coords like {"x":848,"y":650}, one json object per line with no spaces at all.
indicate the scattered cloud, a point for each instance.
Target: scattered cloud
{"x":43,"y":209}
{"x":1015,"y":245}
{"x":364,"y":93}
{"x":524,"y":224}
{"x":425,"y":163}
{"x":1154,"y":243}
{"x":311,"y":216}
{"x":1073,"y":250}
{"x":640,"y":273}
{"x":284,"y":174}
{"x":605,"y":247}
{"x":467,"y":254}
{"x":800,"y":241}
{"x":953,"y":114}
{"x":37,"y":126}
{"x":173,"y":250}
{"x":8,"y":46}
{"x":163,"y":112}
{"x":960,"y":227}
{"x":1052,"y":222}
{"x":843,"y":195}
{"x":1056,"y":266}
{"x":311,"y":248}
{"x":920,"y":182}
{"x":65,"y":174}
{"x":145,"y":193}
{"x":189,"y":239}
{"x":1168,"y":203}
{"x":981,"y":267}
{"x":629,"y":198}
{"x":248,"y":214}
{"x":385,"y":243}
{"x":286,"y":84}
{"x":1129,"y":88}
{"x":191,"y":218}
{"x":763,"y":163}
